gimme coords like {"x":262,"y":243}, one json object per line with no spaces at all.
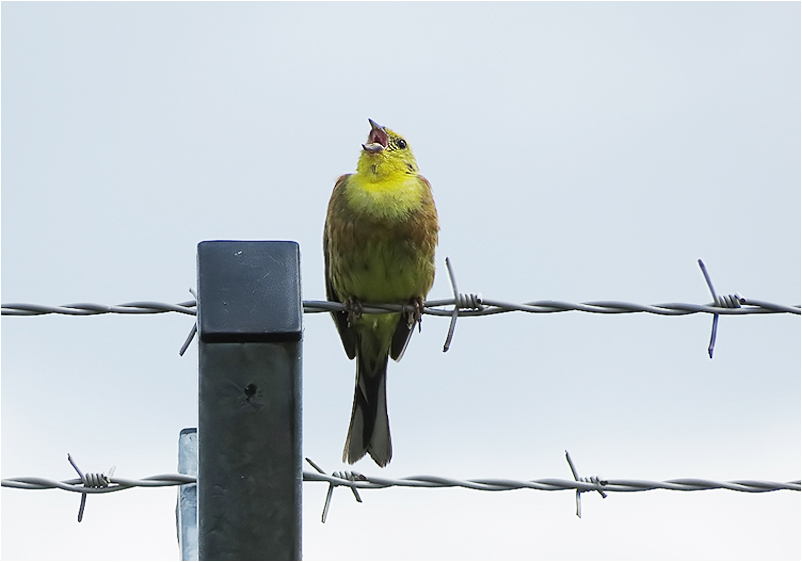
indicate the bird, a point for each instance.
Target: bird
{"x":379,"y":243}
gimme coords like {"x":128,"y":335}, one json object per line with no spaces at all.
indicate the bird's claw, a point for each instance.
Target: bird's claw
{"x":353,"y":309}
{"x":416,"y":314}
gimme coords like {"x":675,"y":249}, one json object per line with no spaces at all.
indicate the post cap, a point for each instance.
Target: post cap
{"x":249,"y":291}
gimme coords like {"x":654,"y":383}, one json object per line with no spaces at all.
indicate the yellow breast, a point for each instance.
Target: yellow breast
{"x":392,"y":199}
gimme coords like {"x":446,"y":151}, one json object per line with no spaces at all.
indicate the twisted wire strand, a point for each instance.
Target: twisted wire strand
{"x":89,"y":309}
{"x":469,"y":305}
{"x":359,"y":481}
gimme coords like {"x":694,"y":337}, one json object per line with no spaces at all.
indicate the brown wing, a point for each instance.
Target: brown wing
{"x":347,"y":334}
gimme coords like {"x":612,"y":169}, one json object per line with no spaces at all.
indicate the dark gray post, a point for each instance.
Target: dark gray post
{"x":249,"y":391}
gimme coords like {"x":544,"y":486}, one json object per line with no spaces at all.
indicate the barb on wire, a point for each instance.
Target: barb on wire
{"x":461,"y":300}
{"x":192,"y":332}
{"x":190,"y":337}
{"x":90,"y":480}
{"x":724,"y":301}
{"x":592,"y":480}
{"x":351,"y":476}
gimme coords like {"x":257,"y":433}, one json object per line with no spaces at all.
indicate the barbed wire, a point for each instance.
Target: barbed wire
{"x":488,"y":308}
{"x":103,"y":484}
{"x":463,"y":305}
{"x":359,"y":481}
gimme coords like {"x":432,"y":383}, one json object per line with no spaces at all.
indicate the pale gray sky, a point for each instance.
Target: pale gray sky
{"x":577,"y":151}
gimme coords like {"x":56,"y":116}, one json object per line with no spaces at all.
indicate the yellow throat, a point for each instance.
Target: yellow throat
{"x":386,"y":181}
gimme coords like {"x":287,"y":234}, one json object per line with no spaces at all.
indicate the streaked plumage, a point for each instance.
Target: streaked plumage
{"x":378,"y":242}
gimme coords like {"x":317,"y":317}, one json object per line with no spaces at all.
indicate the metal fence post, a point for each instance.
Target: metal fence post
{"x":249,"y":392}
{"x":186,"y":509}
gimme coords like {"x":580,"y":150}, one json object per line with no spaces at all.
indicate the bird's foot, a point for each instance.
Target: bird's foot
{"x":353,"y":309}
{"x":416,"y":314}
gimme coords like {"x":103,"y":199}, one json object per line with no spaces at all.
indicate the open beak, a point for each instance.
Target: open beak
{"x":377,"y":139}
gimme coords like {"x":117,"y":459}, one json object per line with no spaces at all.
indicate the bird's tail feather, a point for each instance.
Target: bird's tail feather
{"x":369,"y":431}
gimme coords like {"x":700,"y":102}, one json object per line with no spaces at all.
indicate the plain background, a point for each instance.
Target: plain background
{"x":577,"y":151}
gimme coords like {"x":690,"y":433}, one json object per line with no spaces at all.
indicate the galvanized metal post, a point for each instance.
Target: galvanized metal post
{"x":186,"y":509}
{"x":249,"y":418}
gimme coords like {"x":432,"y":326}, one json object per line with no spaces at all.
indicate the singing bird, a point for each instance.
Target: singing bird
{"x":378,"y":242}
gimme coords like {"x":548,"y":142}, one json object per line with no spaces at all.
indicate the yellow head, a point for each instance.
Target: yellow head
{"x":386,"y":156}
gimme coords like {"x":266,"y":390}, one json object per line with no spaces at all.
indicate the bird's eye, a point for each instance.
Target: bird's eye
{"x":402,"y":144}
